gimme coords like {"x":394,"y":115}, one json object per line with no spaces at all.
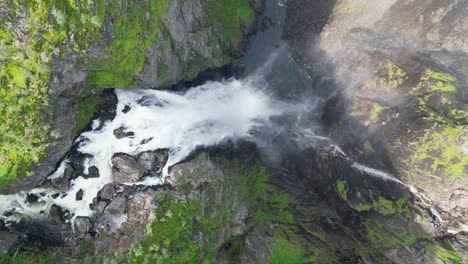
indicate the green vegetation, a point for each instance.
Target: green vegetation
{"x":84,"y":113}
{"x":25,"y":258}
{"x":171,"y":237}
{"x":24,"y":74}
{"x":134,"y":34}
{"x":368,"y":148}
{"x":232,"y":14}
{"x":391,"y":233}
{"x":375,"y":113}
{"x":369,"y":200}
{"x":396,"y":75}
{"x":342,"y":189}
{"x":438,"y":151}
{"x":437,"y":81}
{"x":183,"y":231}
{"x":438,"y":148}
{"x":284,"y":252}
{"x":447,"y":256}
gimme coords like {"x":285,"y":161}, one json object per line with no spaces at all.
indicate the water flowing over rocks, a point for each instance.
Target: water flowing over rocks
{"x":338,"y":193}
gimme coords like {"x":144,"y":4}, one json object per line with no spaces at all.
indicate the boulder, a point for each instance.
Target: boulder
{"x":107,"y":192}
{"x":79,"y":195}
{"x":121,"y":133}
{"x":153,"y":160}
{"x":147,"y":160}
{"x":93,"y":172}
{"x":82,"y":225}
{"x":125,"y":169}
{"x":116,"y":207}
{"x":55,"y":216}
{"x":63,"y":182}
{"x":8,"y":242}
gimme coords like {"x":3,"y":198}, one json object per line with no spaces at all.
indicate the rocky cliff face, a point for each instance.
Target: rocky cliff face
{"x":82,"y":48}
{"x":400,"y":71}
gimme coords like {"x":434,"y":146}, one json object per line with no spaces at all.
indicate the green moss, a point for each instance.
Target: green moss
{"x":24,"y":258}
{"x":376,"y":111}
{"x":447,"y":256}
{"x":171,"y":236}
{"x":367,"y":201}
{"x":232,"y":14}
{"x":24,"y":75}
{"x":134,"y":35}
{"x":368,"y":148}
{"x":84,"y":113}
{"x":396,"y":75}
{"x":284,"y":252}
{"x":438,"y":148}
{"x":437,"y":81}
{"x":342,"y":189}
{"x":391,"y":233}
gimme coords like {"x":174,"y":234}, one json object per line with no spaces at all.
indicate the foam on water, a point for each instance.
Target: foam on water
{"x":203,"y":116}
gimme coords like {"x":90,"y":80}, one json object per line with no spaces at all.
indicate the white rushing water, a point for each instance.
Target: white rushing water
{"x":204,"y":116}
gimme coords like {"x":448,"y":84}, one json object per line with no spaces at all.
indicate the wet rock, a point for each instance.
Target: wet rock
{"x":93,"y":172}
{"x":76,"y":161}
{"x":107,"y":192}
{"x":101,"y":206}
{"x":31,"y":198}
{"x":126,"y":109}
{"x":162,"y":155}
{"x":55,"y":216}
{"x":62,"y":183}
{"x":125,"y":169}
{"x":116,"y":207}
{"x":8,"y":242}
{"x":82,"y":225}
{"x":121,"y":133}
{"x":153,"y":160}
{"x":147,"y":160}
{"x":79,"y":195}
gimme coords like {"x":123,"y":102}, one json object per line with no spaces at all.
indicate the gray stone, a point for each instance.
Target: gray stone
{"x":147,"y":160}
{"x":125,"y":169}
{"x":82,"y":225}
{"x":107,"y":192}
{"x":101,"y":206}
{"x":55,"y":216}
{"x":153,"y":160}
{"x":93,"y":172}
{"x":116,"y":207}
{"x":122,"y":133}
{"x":63,"y":182}
{"x":8,"y":242}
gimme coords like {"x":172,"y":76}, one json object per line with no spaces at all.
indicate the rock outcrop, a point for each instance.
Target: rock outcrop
{"x":114,"y":44}
{"x":399,"y":68}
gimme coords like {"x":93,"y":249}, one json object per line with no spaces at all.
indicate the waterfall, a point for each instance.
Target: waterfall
{"x":203,"y":116}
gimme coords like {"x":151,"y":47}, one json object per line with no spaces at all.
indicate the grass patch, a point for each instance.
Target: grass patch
{"x":25,"y":258}
{"x":171,"y":237}
{"x":134,"y":33}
